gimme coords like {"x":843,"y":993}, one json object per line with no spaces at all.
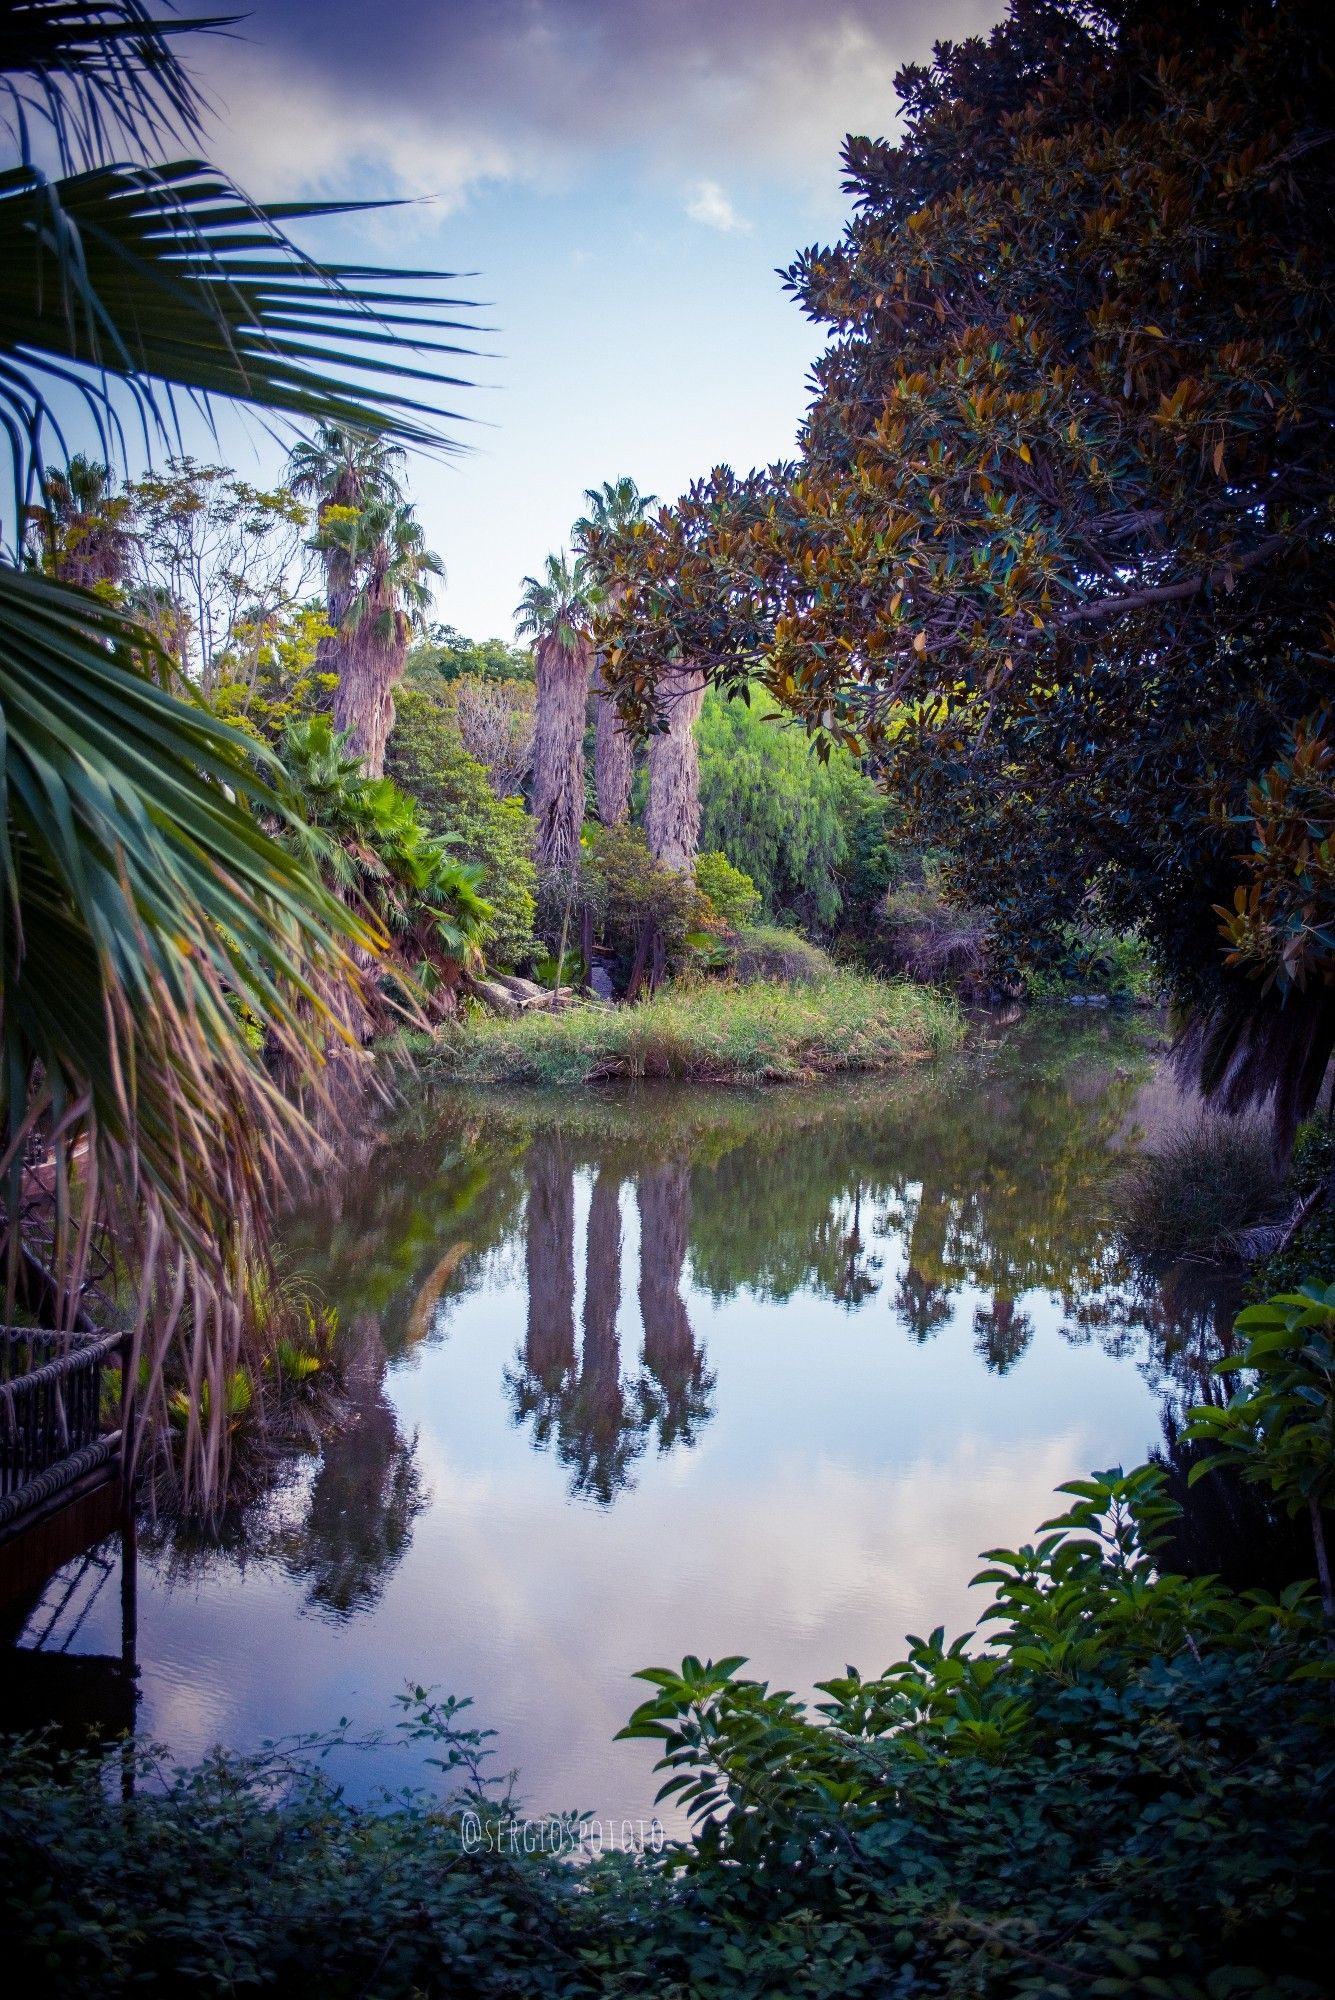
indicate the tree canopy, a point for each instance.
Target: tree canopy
{"x":1058,"y":544}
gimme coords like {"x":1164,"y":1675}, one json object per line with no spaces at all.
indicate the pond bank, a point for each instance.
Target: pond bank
{"x":707,"y":1032}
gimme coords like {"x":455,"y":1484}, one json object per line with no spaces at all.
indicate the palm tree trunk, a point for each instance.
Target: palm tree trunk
{"x":562,"y":677}
{"x":549,"y":1258}
{"x":364,"y":698}
{"x":672,"y":815}
{"x":613,"y":759}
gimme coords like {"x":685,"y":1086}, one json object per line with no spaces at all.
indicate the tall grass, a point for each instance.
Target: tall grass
{"x":713,"y":1032}
{"x":1208,"y":1182}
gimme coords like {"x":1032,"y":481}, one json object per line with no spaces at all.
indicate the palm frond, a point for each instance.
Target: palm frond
{"x":124,"y":278}
{"x":98,"y":76}
{"x":149,"y":928}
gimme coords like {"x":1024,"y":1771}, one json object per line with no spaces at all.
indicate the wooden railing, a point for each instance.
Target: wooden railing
{"x":54,"y":1430}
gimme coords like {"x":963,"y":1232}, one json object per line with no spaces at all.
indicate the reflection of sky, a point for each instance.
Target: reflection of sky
{"x":836,"y":1500}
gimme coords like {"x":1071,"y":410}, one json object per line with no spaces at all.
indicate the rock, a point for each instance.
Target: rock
{"x":494,"y":995}
{"x":600,"y":979}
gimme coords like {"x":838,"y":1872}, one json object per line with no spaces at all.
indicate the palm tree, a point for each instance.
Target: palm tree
{"x":554,"y":611}
{"x":612,"y":507}
{"x":341,"y":468}
{"x":383,"y":566}
{"x":80,"y":533}
{"x":148,"y":925}
{"x":672,"y":810}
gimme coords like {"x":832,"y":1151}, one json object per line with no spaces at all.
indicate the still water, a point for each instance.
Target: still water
{"x":642,"y":1372}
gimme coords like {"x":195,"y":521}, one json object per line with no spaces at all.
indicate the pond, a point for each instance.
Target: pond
{"x":637,"y":1373}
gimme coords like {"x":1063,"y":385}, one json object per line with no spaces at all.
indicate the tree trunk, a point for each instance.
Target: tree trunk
{"x":671,"y":1356}
{"x":562,"y":678}
{"x":549,"y":1259}
{"x":364,"y":698}
{"x":672,"y":815}
{"x":613,"y":759}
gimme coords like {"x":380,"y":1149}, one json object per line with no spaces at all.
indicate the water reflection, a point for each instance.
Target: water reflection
{"x":984,"y":1182}
{"x":631,"y":1372}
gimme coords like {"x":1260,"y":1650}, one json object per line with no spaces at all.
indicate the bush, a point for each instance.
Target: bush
{"x":764,"y":951}
{"x":427,"y":758}
{"x":1205,"y":1184}
{"x":630,"y":898}
{"x":920,"y":936}
{"x":732,"y":895}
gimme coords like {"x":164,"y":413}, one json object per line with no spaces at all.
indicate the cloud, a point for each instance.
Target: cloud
{"x":709,"y":205}
{"x":441,"y":96}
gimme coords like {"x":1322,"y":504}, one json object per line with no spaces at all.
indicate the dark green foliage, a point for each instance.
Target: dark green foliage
{"x":429,"y":761}
{"x":631,"y":897}
{"x":1128,"y":1791}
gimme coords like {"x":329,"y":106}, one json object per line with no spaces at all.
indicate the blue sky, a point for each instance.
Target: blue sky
{"x":623,"y":175}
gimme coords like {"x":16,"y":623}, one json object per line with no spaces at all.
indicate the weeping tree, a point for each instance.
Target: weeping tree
{"x":554,"y":611}
{"x":614,"y":507}
{"x":149,"y":926}
{"x":382,"y":557}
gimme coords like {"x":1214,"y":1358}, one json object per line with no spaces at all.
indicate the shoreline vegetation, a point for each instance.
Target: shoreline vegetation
{"x":767,"y":1031}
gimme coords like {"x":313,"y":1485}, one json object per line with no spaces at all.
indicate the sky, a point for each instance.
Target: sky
{"x":623,"y":176}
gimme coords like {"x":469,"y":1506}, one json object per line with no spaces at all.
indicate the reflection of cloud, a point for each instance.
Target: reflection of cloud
{"x":446,"y":96}
{"x":710,"y":205}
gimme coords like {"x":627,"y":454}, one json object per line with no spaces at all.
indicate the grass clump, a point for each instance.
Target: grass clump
{"x":709,"y":1031}
{"x":1207,"y":1183}
{"x":767,"y":951}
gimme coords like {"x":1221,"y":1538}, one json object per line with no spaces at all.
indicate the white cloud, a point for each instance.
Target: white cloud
{"x":709,"y":205}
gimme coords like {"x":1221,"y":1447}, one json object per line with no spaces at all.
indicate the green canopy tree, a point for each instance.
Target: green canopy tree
{"x":1058,"y":546}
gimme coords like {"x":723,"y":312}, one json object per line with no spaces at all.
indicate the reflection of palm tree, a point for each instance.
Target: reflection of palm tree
{"x":1000,"y":1334}
{"x":549,"y":1257}
{"x":600,"y":1438}
{"x":677,"y":1387}
{"x":366,"y":1496}
{"x":857,"y":1276}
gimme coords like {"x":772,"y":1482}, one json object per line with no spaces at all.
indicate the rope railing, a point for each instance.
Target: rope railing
{"x":53,"y":1428}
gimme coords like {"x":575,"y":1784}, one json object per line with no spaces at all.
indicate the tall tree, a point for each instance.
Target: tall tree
{"x":341,"y":469}
{"x":1058,"y":547}
{"x":81,"y":532}
{"x":672,"y":810}
{"x":554,"y":611}
{"x":384,"y":568}
{"x":613,"y":508}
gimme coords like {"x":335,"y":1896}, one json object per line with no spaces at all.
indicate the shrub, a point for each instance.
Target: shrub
{"x":763,"y":951}
{"x":921,"y":936}
{"x":1200,"y":1188}
{"x":732,"y":895}
{"x":631,"y":898}
{"x":427,"y":758}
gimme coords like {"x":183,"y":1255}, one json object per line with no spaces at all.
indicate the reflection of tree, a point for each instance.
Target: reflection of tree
{"x":600,"y":1435}
{"x":549,"y":1266}
{"x":365,"y":1496}
{"x":677,"y":1386}
{"x":1001,"y":1334}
